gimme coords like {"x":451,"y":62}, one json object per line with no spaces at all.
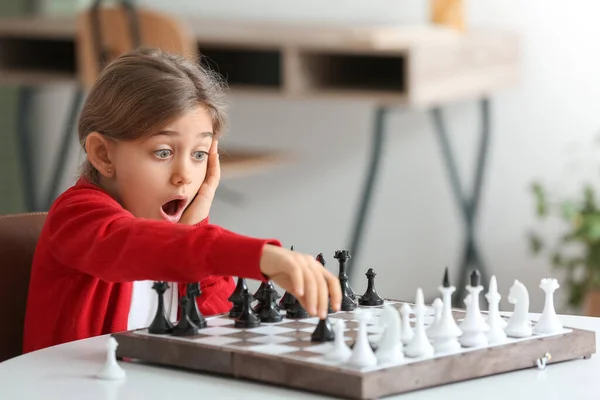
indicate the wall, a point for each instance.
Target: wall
{"x":415,"y":228}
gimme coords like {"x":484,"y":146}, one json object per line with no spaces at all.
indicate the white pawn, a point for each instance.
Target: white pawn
{"x":518,"y":324}
{"x":362,"y":354}
{"x":419,"y":346}
{"x":437,"y":308}
{"x":389,"y":347}
{"x":474,"y":326}
{"x":446,"y":332}
{"x":548,"y":322}
{"x":407,"y":330}
{"x":340,"y":351}
{"x":496,"y":333}
{"x":111,"y":369}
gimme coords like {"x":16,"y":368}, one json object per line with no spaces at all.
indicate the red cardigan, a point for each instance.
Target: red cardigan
{"x":91,"y":250}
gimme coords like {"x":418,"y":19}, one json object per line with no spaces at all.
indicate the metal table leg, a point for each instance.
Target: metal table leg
{"x":471,"y":256}
{"x":367,"y":191}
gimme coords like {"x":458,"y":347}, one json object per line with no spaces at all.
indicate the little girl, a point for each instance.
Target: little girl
{"x":139,"y":212}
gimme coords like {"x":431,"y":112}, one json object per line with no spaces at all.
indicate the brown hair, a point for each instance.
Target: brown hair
{"x":144,"y":90}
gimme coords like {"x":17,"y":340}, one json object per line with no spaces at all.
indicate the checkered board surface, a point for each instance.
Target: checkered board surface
{"x":292,"y":338}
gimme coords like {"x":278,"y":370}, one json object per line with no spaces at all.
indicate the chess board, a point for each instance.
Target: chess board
{"x":282,"y":353}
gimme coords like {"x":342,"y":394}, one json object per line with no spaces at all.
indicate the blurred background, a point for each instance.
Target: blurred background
{"x":544,"y":133}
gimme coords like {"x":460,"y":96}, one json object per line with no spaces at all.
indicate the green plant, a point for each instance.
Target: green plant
{"x":581,"y":218}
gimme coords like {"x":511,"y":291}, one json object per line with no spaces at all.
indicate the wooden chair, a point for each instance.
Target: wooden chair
{"x":19,"y":234}
{"x":105,"y":32}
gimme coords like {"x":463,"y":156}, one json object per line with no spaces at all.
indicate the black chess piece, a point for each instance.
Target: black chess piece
{"x":160,"y":324}
{"x":370,"y":298}
{"x":446,"y":282}
{"x":323,"y":332}
{"x":343,"y":256}
{"x":297,"y":311}
{"x":475,"y":278}
{"x":185,"y":327}
{"x":269,"y":312}
{"x":247,"y":318}
{"x":193,"y":291}
{"x":237,"y":298}
{"x":264,"y":298}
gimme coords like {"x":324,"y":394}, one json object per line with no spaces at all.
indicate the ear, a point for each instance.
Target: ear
{"x":99,"y":151}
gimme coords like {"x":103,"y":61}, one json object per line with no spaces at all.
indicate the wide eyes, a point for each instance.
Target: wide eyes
{"x":166,"y":153}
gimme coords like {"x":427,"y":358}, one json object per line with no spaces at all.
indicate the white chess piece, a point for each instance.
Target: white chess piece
{"x":111,"y":369}
{"x":496,"y":333}
{"x":419,"y":346}
{"x":548,"y":322}
{"x":362,"y":354}
{"x":474,"y":326}
{"x":437,"y":316}
{"x":340,"y":351}
{"x":407,"y":330}
{"x":446,"y":332}
{"x":389,"y":347}
{"x":518,"y":325}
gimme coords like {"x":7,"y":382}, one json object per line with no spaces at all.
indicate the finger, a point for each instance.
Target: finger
{"x":323,"y":292}
{"x":310,"y":286}
{"x":335,"y":290}
{"x":297,"y":279}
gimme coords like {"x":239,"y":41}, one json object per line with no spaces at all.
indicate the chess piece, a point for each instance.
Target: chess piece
{"x":264,"y":299}
{"x":260,"y":292}
{"x":297,"y":311}
{"x":419,"y":346}
{"x":446,"y":332}
{"x":323,"y":332}
{"x":407,"y":330}
{"x":362,"y":353}
{"x":193,"y":291}
{"x":237,"y":298}
{"x":437,"y":306}
{"x":496,"y":334}
{"x":268,"y":311}
{"x":518,"y":325}
{"x":474,"y":326}
{"x":185,"y":327}
{"x":348,"y":295}
{"x":111,"y":370}
{"x":390,"y":345}
{"x":548,"y":322}
{"x":247,"y":318}
{"x":370,"y":298}
{"x":286,"y":301}
{"x":340,"y":351}
{"x":160,"y":324}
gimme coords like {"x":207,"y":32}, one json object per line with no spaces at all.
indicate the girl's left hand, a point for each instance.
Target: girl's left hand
{"x":199,"y":208}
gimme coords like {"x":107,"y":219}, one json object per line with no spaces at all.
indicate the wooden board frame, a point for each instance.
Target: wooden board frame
{"x":332,"y":380}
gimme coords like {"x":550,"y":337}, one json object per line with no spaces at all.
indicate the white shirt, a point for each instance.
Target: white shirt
{"x":144,"y":301}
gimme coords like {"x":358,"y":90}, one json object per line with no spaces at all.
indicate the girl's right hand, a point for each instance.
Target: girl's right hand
{"x":304,"y":277}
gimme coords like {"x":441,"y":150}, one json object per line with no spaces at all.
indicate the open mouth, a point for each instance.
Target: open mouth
{"x":173,"y":209}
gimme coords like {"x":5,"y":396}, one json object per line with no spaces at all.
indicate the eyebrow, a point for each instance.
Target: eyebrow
{"x":176,"y":133}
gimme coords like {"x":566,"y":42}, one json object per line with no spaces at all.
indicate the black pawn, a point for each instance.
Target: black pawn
{"x":297,"y":311}
{"x":185,"y":327}
{"x":193,"y":291}
{"x":160,"y":324}
{"x":370,"y":298}
{"x":323,"y":332}
{"x":237,"y":298}
{"x":269,"y":311}
{"x":247,"y":318}
{"x":265,"y":296}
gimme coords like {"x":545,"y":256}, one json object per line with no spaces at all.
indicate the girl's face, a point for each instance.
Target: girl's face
{"x":157,"y":177}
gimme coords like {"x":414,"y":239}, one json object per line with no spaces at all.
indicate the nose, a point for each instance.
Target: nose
{"x":182,"y":173}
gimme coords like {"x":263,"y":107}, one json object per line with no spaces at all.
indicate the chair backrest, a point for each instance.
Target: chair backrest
{"x":19,"y":234}
{"x":117,"y":35}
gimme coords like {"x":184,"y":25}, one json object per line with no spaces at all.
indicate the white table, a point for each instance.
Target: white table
{"x":66,"y":372}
